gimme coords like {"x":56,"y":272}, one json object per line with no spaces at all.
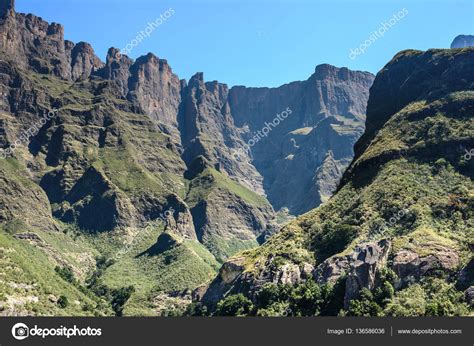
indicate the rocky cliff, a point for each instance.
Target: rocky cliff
{"x":302,"y":157}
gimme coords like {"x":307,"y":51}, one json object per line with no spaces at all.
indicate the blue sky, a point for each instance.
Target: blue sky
{"x":259,"y":42}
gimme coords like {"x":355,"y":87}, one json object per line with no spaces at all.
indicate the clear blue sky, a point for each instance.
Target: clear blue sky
{"x":259,"y":42}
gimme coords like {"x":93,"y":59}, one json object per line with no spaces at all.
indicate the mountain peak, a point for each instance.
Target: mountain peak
{"x":462,"y":41}
{"x":327,"y":71}
{"x":197,"y":78}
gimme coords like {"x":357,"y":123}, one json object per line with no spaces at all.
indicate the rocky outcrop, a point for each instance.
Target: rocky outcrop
{"x":470,"y":296}
{"x":6,"y":7}
{"x":36,"y":44}
{"x":332,"y":269}
{"x":365,"y":263}
{"x":117,"y":69}
{"x":466,"y":276}
{"x":156,"y":90}
{"x":84,"y":62}
{"x":207,"y":129}
{"x":228,"y":274}
{"x":463,"y":41}
{"x":233,"y":279}
{"x":410,"y":266}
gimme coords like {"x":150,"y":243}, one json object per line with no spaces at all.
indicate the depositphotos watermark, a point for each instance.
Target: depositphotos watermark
{"x":469,"y":154}
{"x":384,"y":27}
{"x":262,"y":133}
{"x":26,"y":135}
{"x":21,"y":331}
{"x":145,"y":33}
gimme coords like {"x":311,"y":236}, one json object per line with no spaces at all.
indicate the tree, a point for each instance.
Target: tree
{"x":365,"y":306}
{"x":63,"y":302}
{"x":234,"y":305}
{"x":120,"y":297}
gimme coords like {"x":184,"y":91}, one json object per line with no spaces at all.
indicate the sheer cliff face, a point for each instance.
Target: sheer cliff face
{"x":238,"y":131}
{"x":314,"y":141}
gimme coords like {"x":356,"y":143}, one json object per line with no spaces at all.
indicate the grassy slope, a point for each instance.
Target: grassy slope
{"x":28,"y":278}
{"x":436,"y":194}
{"x":210,"y":182}
{"x":186,"y":265}
{"x":202,"y":185}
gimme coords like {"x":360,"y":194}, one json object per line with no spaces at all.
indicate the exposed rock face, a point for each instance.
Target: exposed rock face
{"x":470,"y":296}
{"x":233,"y":278}
{"x":361,"y":268}
{"x":208,"y":129}
{"x":463,"y":41}
{"x":117,"y":69}
{"x":365,"y":263}
{"x":466,"y":276}
{"x":156,"y":90}
{"x":40,"y":46}
{"x":6,"y":6}
{"x":409,"y":266}
{"x":83,"y":61}
{"x":332,"y":269}
{"x":327,"y":118}
{"x":228,"y":274}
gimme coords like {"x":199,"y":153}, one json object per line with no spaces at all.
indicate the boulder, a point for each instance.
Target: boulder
{"x":332,"y":269}
{"x":469,"y":294}
{"x":409,"y":265}
{"x":366,"y":261}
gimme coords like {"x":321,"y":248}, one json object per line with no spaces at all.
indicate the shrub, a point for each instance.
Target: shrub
{"x":120,"y":297}
{"x":365,"y":306}
{"x":65,"y":273}
{"x":63,"y":302}
{"x":234,"y":305}
{"x":333,"y":239}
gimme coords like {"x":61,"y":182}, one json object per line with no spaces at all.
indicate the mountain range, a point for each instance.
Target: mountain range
{"x":129,"y":191}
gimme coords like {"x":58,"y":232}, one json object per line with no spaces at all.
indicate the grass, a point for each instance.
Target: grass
{"x":186,"y":265}
{"x":27,"y":275}
{"x":210,"y":179}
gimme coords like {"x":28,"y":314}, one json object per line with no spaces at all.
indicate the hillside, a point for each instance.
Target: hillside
{"x":397,"y":238}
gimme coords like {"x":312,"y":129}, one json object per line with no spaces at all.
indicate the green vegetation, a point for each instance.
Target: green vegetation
{"x":235,"y":305}
{"x":430,"y":297}
{"x":32,"y":284}
{"x":304,"y":299}
{"x":178,"y":265}
{"x":202,"y":185}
